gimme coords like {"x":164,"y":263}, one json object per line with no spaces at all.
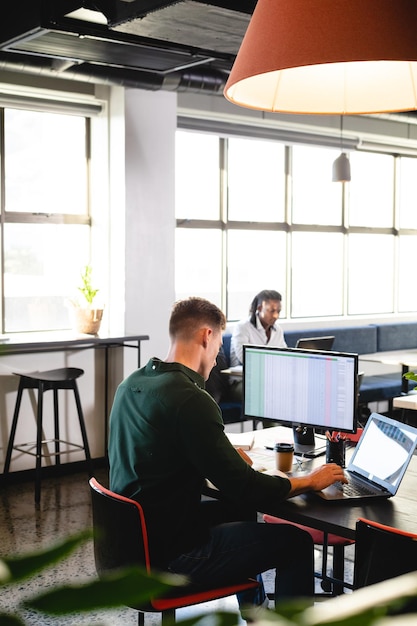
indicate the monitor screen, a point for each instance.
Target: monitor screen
{"x":293,"y":386}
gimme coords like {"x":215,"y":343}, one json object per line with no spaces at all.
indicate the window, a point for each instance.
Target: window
{"x":249,"y":255}
{"x":315,"y":198}
{"x":371,"y":190}
{"x":331,"y":249}
{"x":255,"y":180}
{"x":45,"y":215}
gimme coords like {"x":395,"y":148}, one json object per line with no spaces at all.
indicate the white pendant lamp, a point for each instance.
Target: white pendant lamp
{"x":328,"y":57}
{"x":341,"y":165}
{"x":341,"y":169}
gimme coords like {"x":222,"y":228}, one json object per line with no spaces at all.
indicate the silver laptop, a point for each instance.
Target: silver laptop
{"x":378,"y":463}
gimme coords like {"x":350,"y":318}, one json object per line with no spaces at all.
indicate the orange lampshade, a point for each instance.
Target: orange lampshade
{"x":328,"y":56}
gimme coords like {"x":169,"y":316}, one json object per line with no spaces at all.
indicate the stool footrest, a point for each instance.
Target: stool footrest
{"x":27,"y":448}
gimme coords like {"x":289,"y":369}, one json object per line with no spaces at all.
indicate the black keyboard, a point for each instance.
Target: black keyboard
{"x":355,"y":489}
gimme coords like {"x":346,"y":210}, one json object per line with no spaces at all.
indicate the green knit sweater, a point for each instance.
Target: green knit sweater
{"x":167,"y":437}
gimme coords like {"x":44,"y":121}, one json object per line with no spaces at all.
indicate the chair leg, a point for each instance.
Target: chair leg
{"x":83,"y":429}
{"x":38,"y":469}
{"x":141,"y":618}
{"x":338,"y":568}
{"x":13,"y":429}
{"x":56,"y":428}
{"x":333,"y":584}
{"x":168,"y":616}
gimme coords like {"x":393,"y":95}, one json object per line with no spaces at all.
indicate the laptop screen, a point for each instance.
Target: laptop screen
{"x":316,"y":343}
{"x":384,"y":451}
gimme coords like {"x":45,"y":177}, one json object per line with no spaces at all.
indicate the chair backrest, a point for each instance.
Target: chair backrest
{"x":120,"y":535}
{"x":382,"y":552}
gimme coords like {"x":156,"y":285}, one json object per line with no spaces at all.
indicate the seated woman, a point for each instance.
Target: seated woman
{"x":260,"y":328}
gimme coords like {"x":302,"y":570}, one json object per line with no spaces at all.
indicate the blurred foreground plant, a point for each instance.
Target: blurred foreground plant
{"x":364,"y":607}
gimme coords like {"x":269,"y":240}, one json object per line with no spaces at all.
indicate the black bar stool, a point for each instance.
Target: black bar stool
{"x":64,"y":378}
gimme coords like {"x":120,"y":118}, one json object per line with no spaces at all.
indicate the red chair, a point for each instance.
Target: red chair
{"x":382,"y":552}
{"x":333,"y":584}
{"x":120,"y":540}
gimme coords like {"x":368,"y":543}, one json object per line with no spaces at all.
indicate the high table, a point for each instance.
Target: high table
{"x":406,"y":359}
{"x":338,"y":517}
{"x":26,"y":343}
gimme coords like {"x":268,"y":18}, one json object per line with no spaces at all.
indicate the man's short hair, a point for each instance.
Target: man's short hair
{"x":190,"y":314}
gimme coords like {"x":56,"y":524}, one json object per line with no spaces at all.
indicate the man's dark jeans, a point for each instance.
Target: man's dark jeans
{"x":238,"y":550}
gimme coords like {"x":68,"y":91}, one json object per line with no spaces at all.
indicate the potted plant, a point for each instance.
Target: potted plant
{"x":86,"y":312}
{"x":411,"y":376}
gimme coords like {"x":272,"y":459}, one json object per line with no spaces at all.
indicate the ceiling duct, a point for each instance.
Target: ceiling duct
{"x":149,"y":44}
{"x":187,"y":80}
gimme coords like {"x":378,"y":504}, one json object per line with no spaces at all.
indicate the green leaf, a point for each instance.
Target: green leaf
{"x":217,"y":618}
{"x":411,"y":376}
{"x":132,"y":587}
{"x":8,"y":619}
{"x":87,"y":289}
{"x":366,"y":618}
{"x":24,"y":566}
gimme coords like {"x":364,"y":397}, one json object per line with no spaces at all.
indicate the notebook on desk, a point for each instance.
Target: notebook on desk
{"x":378,"y":463}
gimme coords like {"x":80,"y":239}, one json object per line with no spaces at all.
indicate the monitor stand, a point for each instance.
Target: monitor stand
{"x":305,"y":443}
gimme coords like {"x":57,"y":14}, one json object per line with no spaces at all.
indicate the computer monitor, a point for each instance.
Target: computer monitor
{"x":316,"y":343}
{"x":311,"y":389}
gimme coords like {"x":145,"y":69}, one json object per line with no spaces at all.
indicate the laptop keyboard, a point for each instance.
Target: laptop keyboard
{"x":354,"y":489}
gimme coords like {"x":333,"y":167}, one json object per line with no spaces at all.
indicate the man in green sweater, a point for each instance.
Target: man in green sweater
{"x":167,"y":437}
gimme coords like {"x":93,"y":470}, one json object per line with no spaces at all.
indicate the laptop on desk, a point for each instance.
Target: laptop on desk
{"x":379,"y":462}
{"x":316,"y":343}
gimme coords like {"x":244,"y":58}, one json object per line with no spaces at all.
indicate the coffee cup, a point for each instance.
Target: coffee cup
{"x":284,"y":456}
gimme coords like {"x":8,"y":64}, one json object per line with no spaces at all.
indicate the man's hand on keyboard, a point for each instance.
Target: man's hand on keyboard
{"x":318,"y":479}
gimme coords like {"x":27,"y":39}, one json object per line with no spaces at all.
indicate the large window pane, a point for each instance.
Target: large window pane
{"x":407,"y":293}
{"x":315,"y":198}
{"x":42,"y":269}
{"x":317,"y":270}
{"x":408,"y":193}
{"x":256,"y":261}
{"x":198,"y":264}
{"x":45,"y":162}
{"x":197,"y":176}
{"x":256,"y":180}
{"x":371,"y":274}
{"x":371,"y":190}
{"x":326,"y":270}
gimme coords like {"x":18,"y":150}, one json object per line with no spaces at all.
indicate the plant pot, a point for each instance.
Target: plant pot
{"x":87,"y":321}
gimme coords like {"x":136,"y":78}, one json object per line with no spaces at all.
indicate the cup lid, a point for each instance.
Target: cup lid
{"x":284,"y":447}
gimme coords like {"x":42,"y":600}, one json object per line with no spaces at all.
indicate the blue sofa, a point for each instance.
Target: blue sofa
{"x":364,"y":339}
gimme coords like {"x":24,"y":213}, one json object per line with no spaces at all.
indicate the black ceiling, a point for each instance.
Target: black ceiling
{"x":152,"y":44}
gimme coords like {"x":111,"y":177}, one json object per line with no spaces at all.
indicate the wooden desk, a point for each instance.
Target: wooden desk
{"x":26,"y":343}
{"x":340,"y":518}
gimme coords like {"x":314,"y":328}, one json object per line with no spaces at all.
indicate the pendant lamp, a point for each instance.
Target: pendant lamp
{"x":341,"y":169}
{"x":341,"y":165}
{"x":328,"y":57}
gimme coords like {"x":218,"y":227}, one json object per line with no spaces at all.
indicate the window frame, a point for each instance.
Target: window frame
{"x":39,"y":218}
{"x":288,"y":227}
